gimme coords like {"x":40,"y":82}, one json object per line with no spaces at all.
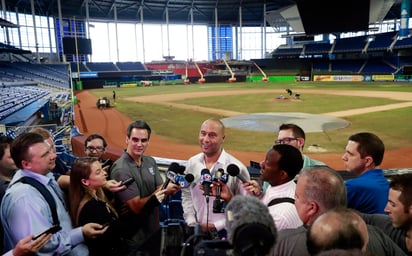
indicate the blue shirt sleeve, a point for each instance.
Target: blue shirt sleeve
{"x":26,"y":212}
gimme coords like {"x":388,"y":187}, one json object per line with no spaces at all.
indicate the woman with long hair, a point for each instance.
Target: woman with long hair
{"x":89,"y":203}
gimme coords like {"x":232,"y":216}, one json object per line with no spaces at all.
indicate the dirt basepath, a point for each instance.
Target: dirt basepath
{"x":112,"y":125}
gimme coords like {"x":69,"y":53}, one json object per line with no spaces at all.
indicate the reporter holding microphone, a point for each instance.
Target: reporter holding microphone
{"x":138,"y":203}
{"x":279,"y":168}
{"x":198,"y":205}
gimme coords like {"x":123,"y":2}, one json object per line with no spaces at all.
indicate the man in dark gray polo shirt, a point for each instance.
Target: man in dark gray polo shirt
{"x":140,"y":200}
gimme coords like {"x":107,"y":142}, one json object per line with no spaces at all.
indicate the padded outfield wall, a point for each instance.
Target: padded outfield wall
{"x":335,"y":78}
{"x":362,"y":78}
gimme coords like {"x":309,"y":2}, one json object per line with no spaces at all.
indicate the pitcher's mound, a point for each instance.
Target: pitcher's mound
{"x":270,"y":122}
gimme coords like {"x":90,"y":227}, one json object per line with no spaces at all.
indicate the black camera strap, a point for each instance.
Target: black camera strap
{"x":281,"y":200}
{"x":46,"y":194}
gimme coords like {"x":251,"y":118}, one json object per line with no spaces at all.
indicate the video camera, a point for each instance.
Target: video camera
{"x":252,"y":239}
{"x":179,"y":239}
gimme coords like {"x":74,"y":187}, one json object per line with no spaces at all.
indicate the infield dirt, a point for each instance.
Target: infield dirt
{"x":112,"y":125}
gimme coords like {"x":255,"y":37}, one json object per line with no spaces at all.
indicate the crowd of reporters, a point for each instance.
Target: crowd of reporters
{"x":298,"y":205}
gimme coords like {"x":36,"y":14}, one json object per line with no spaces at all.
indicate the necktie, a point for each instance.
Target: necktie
{"x":56,"y":188}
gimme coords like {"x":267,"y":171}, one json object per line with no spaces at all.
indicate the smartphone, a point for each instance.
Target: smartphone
{"x":127,"y":182}
{"x":53,"y":229}
{"x":106,"y":224}
{"x":255,"y":165}
{"x":106,"y":168}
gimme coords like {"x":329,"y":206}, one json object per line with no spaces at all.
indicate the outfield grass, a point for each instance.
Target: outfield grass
{"x":393,"y":126}
{"x":309,"y":103}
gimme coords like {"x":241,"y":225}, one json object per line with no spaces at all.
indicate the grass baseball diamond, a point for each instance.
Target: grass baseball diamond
{"x":175,"y":111}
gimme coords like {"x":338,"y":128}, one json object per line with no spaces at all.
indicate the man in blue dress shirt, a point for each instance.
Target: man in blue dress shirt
{"x":24,"y":210}
{"x":368,"y":192}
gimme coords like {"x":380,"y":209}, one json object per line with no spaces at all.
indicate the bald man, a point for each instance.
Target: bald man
{"x":340,"y":228}
{"x":318,"y":190}
{"x":196,"y":206}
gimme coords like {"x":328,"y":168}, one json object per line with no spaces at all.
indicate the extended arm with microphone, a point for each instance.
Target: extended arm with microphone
{"x":171,"y":174}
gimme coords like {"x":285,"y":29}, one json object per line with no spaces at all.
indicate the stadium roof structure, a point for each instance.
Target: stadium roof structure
{"x":184,"y":11}
{"x":8,"y":24}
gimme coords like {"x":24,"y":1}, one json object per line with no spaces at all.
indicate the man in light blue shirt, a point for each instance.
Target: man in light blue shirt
{"x":24,"y":210}
{"x":294,"y":135}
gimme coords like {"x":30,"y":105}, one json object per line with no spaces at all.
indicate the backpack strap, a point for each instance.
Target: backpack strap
{"x":281,"y":200}
{"x":46,"y":194}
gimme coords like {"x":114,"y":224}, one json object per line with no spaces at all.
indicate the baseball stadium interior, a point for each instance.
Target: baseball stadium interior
{"x":38,"y":83}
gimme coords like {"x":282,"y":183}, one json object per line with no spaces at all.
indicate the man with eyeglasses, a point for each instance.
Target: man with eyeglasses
{"x":293,"y":135}
{"x":95,"y":146}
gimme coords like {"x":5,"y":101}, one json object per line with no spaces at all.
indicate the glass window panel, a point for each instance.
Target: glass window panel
{"x":28,"y":20}
{"x":127,"y":42}
{"x":22,"y":19}
{"x":153,"y":42}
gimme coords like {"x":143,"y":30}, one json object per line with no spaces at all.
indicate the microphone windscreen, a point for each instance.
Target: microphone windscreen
{"x":189,"y":177}
{"x":184,"y":181}
{"x":181,"y":169}
{"x":250,"y":227}
{"x":174,"y":167}
{"x":233,"y":170}
{"x":171,"y":174}
{"x":204,"y":171}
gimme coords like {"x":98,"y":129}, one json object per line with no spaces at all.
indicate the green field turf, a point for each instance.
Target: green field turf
{"x":180,"y":125}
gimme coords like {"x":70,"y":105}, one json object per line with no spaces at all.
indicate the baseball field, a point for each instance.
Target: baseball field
{"x":175,"y":113}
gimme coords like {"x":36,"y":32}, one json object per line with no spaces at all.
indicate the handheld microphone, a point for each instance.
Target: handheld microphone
{"x":181,"y":169}
{"x":206,"y":181}
{"x":234,"y":170}
{"x":184,"y":181}
{"x":171,"y":173}
{"x":222,"y":176}
{"x":218,"y":204}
